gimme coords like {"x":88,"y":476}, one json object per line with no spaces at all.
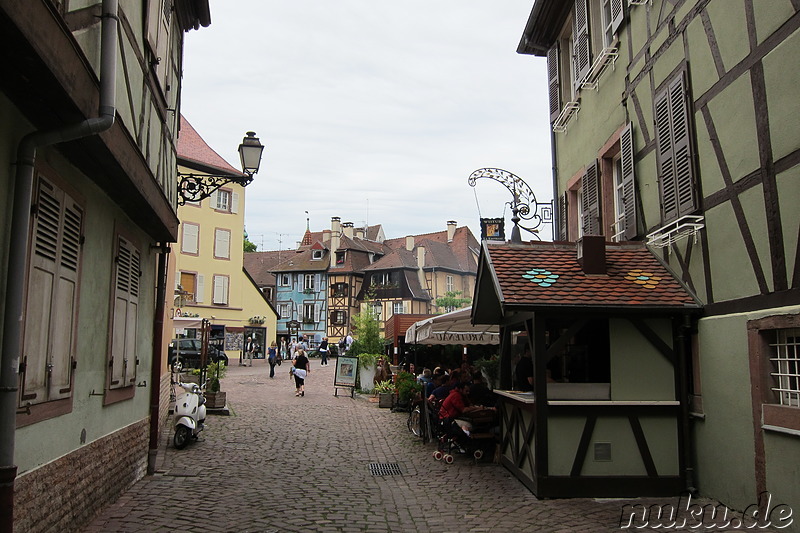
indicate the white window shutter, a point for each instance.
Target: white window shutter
{"x":217,"y":297}
{"x":317,"y":282}
{"x":317,"y":309}
{"x":189,"y":242}
{"x":222,"y":243}
{"x":212,"y":200}
{"x":198,"y":296}
{"x":234,"y":202}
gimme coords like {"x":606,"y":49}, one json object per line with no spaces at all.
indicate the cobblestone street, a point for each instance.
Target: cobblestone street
{"x":280,"y":463}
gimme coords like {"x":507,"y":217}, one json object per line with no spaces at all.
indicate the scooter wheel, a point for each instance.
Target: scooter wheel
{"x":448,"y":459}
{"x":182,"y":436}
{"x":478,"y":454}
{"x":438,"y":455}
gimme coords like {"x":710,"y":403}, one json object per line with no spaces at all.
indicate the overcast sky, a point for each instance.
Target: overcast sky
{"x":372,"y":111}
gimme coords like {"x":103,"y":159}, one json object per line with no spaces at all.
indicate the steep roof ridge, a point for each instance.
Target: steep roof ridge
{"x":192,"y":148}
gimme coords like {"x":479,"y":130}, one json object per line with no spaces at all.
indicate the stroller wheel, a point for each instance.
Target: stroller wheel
{"x":477,"y":454}
{"x":448,"y":459}
{"x":438,"y":455}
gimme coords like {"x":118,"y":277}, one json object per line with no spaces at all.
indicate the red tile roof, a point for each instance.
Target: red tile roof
{"x":193,"y":149}
{"x":548,"y":274}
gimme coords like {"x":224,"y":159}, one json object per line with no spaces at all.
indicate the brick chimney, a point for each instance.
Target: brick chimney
{"x":592,"y":254}
{"x":409,"y":242}
{"x":451,"y":230}
{"x":336,"y":229}
{"x":361,"y":233}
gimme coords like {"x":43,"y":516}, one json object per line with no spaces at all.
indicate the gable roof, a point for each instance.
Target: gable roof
{"x":547,"y":275}
{"x":260,"y":265}
{"x":193,"y":152}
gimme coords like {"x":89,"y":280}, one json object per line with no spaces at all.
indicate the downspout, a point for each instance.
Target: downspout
{"x":683,"y":338}
{"x":18,"y":250}
{"x":155,"y":369}
{"x":556,"y":211}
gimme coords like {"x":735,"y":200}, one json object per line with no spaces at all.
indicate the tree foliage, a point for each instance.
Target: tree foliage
{"x":367,"y":329}
{"x":249,"y":246}
{"x":452,"y":301}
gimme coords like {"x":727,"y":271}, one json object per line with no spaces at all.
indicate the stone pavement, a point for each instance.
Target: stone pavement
{"x":280,"y":463}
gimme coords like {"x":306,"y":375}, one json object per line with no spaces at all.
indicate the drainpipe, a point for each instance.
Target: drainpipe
{"x":683,"y":339}
{"x":556,"y":213}
{"x":18,"y":249}
{"x":155,"y":369}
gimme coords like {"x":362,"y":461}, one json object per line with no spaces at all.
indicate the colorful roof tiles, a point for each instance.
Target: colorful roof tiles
{"x":548,"y":274}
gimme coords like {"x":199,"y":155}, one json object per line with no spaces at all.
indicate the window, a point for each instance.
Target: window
{"x":158,"y":38}
{"x":188,"y":289}
{"x":124,"y":318}
{"x":774,"y":349}
{"x":284,"y":310}
{"x":220,"y":290}
{"x":785,"y":359}
{"x":339,"y":290}
{"x":309,"y":284}
{"x":49,"y":336}
{"x":222,"y":244}
{"x":398,"y":308}
{"x":267,"y":291}
{"x":284,"y":280}
{"x":221,"y":200}
{"x":673,"y":137}
{"x":309,"y":313}
{"x":190,"y":238}
{"x":339,"y":318}
{"x":381,"y":278}
{"x":339,"y":258}
{"x":449,"y":285}
{"x":316,"y":255}
{"x":602,"y":200}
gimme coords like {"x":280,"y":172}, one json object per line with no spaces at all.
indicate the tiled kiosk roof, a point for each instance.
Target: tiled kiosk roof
{"x":548,"y":275}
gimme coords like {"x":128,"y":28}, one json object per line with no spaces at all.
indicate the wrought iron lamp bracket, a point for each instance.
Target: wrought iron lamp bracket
{"x":196,"y":187}
{"x":524,"y":205}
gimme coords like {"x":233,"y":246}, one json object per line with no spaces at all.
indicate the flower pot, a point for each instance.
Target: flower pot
{"x":216,"y":400}
{"x":385,"y":399}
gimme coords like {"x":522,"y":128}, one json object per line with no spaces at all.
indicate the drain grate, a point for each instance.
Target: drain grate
{"x":385,"y":469}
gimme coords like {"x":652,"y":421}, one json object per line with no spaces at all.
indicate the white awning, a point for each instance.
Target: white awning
{"x":181,"y":322}
{"x":452,"y":328}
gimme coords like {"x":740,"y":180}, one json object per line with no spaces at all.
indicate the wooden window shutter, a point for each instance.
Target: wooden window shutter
{"x":581,"y":45}
{"x":562,"y":217}
{"x":234,"y":202}
{"x":617,"y":15}
{"x":628,"y":183}
{"x":684,"y":179}
{"x":676,"y":180}
{"x":124,"y":322}
{"x":591,"y":200}
{"x":51,"y":310}
{"x":552,"y":83}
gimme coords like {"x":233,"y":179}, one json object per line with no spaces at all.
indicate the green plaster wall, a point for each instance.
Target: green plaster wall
{"x":35,"y":445}
{"x":638,"y":370}
{"x":702,"y":69}
{"x":771,"y":17}
{"x":726,"y":249}
{"x":789,"y":187}
{"x":782,"y":94}
{"x":564,"y":433}
{"x":733,"y":113}
{"x":783,"y":473}
{"x":730,"y":30}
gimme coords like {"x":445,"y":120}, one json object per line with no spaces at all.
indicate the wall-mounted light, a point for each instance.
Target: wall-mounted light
{"x":196,"y":187}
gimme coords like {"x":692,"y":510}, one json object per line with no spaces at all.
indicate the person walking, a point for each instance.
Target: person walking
{"x":301,"y":369}
{"x":323,"y":351}
{"x":274,"y":358}
{"x":284,"y":355}
{"x":249,"y":350}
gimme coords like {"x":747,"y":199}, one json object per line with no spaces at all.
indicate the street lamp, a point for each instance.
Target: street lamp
{"x":196,"y":187}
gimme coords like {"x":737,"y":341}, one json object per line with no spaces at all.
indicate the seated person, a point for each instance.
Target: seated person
{"x":441,"y":392}
{"x":457,"y":403}
{"x":479,"y":393}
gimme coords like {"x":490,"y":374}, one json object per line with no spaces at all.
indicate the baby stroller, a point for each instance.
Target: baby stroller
{"x":461,"y":437}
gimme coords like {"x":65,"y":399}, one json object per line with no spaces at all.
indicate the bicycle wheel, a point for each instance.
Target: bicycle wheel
{"x":415,"y":422}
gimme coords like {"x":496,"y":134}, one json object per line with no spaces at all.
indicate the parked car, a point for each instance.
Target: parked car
{"x":187,"y":351}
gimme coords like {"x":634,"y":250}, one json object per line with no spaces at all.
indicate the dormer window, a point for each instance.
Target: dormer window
{"x":316,"y":254}
{"x":339,"y":258}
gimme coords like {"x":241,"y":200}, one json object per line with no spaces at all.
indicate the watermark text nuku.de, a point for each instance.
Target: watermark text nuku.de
{"x":688,"y":514}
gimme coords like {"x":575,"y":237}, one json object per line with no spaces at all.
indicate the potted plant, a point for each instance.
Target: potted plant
{"x":407,"y":388}
{"x":215,"y":398}
{"x":385,"y":392}
{"x":490,"y":368}
{"x":366,"y":370}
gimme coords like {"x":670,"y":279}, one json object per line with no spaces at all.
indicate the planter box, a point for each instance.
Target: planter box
{"x":216,"y":400}
{"x":385,"y":399}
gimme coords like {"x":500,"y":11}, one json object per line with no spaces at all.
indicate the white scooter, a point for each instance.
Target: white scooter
{"x":190,"y":414}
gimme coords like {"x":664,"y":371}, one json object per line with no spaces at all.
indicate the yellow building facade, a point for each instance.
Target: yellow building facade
{"x":208,"y":275}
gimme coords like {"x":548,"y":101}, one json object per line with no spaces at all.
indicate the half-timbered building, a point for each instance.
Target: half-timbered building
{"x":673,"y":124}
